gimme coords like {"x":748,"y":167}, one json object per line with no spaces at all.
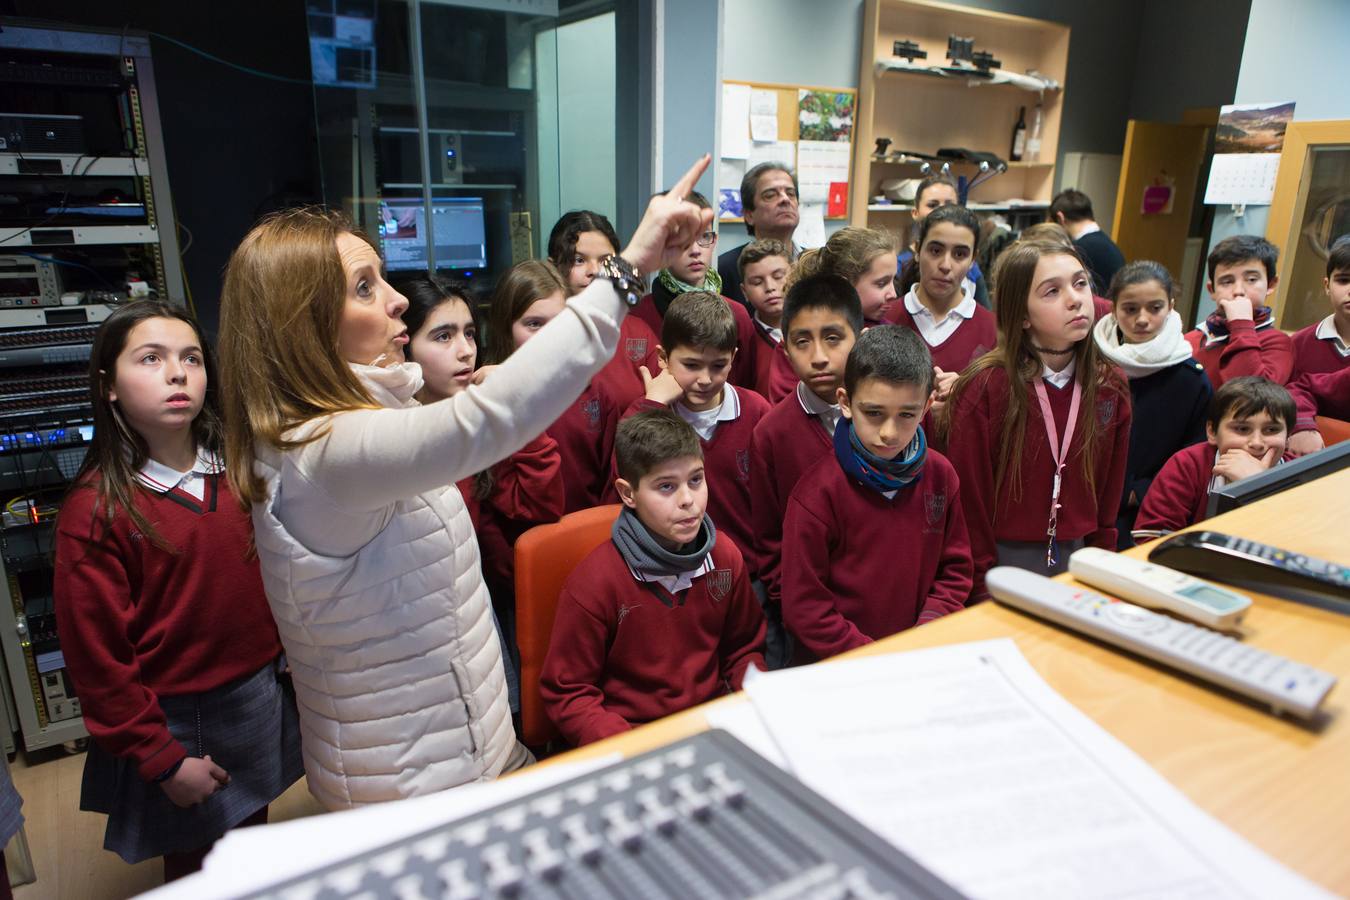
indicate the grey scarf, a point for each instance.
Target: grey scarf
{"x":644,"y":554}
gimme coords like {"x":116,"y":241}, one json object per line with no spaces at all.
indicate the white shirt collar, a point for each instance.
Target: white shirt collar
{"x":1087,"y":229}
{"x":161,"y":479}
{"x":1062,"y":378}
{"x":827,"y":414}
{"x":775,"y":333}
{"x":1326,"y":331}
{"x":705,"y":423}
{"x":965,"y":309}
{"x":675,"y":583}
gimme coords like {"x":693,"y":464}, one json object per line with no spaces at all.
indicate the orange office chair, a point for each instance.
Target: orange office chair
{"x":1333,"y":431}
{"x":545,"y":556}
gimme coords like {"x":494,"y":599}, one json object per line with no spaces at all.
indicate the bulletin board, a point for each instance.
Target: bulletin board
{"x":809,"y":128}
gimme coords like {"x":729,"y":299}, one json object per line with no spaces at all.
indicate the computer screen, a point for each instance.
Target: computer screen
{"x":1279,"y":478}
{"x":456,"y":224}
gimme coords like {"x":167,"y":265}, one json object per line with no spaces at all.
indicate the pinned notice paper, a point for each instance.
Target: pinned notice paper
{"x":764,"y":115}
{"x":735,"y":121}
{"x":810,"y":231}
{"x":821,"y":164}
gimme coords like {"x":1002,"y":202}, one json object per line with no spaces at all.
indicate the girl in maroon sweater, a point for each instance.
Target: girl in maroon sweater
{"x":865,"y":258}
{"x":518,"y":493}
{"x":526,"y":299}
{"x":1039,"y":429}
{"x":937,"y":304}
{"x":578,"y":243}
{"x":160,"y":606}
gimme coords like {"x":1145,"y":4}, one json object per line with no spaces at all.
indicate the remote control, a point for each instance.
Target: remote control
{"x":1284,"y":684}
{"x":1261,"y":567}
{"x":1159,"y":587}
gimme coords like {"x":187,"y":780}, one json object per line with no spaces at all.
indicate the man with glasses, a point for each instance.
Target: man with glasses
{"x":769,"y":206}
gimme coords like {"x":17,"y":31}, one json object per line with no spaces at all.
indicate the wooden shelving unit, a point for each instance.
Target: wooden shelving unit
{"x":921,"y":113}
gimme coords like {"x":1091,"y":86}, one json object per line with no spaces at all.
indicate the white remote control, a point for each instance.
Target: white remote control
{"x":1159,"y":587}
{"x":1284,"y":684}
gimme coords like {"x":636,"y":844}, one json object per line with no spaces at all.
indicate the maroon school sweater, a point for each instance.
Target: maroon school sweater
{"x":527,"y":490}
{"x":727,"y":465}
{"x":651,"y":309}
{"x":774,"y":376}
{"x":1179,"y":494}
{"x":858,"y":567}
{"x":974,"y":447}
{"x":621,"y":376}
{"x":972,"y":339}
{"x":138,"y":621}
{"x":585,"y":436}
{"x":1268,"y":352}
{"x":1313,"y":355}
{"x":786,"y":442}
{"x":624,"y":652}
{"x":1323,"y":394}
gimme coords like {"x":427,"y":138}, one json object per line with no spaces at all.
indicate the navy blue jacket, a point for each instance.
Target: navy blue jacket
{"x":1169,"y":415}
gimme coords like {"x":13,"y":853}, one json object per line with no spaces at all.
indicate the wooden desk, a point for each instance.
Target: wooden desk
{"x":1283,"y":786}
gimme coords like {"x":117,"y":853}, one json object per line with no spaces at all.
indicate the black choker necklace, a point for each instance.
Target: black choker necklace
{"x":1046,"y":352}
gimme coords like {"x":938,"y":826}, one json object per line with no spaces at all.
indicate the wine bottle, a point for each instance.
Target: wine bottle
{"x":1019,"y":136}
{"x":1034,"y":136}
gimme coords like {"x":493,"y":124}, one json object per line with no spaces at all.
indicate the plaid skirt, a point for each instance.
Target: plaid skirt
{"x":248,"y":727}
{"x":11,"y":807}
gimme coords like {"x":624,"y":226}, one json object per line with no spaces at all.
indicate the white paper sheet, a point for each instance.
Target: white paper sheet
{"x":763,"y":128}
{"x":820,"y":164}
{"x":250,"y":859}
{"x":784,"y":152}
{"x":735,"y":121}
{"x":763,"y":103}
{"x":1242,"y":178}
{"x":966,"y":759}
{"x":810,"y":231}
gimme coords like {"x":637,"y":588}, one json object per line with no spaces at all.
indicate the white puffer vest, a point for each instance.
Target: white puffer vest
{"x":397,"y":667}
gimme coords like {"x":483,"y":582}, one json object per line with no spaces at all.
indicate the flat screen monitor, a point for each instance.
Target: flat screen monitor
{"x":456,"y":224}
{"x":1280,"y":478}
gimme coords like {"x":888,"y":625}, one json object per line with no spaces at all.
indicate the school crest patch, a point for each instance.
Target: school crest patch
{"x":743,"y":464}
{"x":636,"y":348}
{"x":1106,"y":411}
{"x":934,"y":507}
{"x":591,"y":410}
{"x":719,"y":584}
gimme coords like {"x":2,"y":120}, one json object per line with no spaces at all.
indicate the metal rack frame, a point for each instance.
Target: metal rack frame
{"x":158,"y":234}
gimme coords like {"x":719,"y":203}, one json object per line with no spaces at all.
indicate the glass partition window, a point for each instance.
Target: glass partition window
{"x":460,"y":160}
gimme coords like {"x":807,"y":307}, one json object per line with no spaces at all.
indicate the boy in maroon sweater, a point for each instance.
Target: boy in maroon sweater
{"x":1321,"y":394}
{"x":875,"y":541}
{"x":660,"y":618}
{"x":698,"y":345}
{"x":1325,"y":345}
{"x":1248,"y":426}
{"x":1240,"y":338}
{"x":696,"y":270}
{"x":764,"y":266}
{"x":822,"y":318}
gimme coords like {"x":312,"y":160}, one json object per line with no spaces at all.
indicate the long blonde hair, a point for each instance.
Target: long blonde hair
{"x":848,"y":253}
{"x":1013,"y":279}
{"x":516,"y":292}
{"x":280,"y":309}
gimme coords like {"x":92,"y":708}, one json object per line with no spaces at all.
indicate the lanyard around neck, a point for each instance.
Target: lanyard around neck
{"x":1059,"y":453}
